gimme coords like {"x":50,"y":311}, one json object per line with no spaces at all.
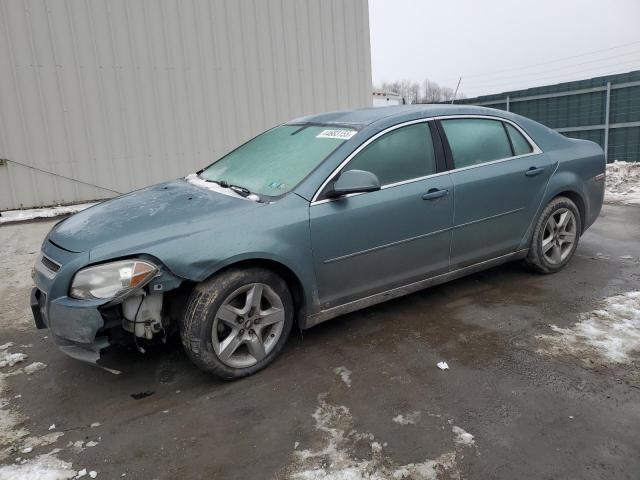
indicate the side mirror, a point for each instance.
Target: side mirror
{"x":354,"y":181}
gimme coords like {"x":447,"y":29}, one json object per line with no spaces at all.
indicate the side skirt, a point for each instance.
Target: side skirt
{"x":365,"y":302}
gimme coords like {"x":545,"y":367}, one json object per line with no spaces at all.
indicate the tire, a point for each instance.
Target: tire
{"x":551,"y":249}
{"x":239,"y":304}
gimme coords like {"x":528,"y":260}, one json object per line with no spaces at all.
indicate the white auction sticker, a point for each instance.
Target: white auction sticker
{"x":340,"y":134}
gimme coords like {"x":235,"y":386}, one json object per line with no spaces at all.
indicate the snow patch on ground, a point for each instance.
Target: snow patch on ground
{"x":610,"y":334}
{"x":8,"y":359}
{"x":408,"y":419}
{"x":33,"y":213}
{"x":48,"y":439}
{"x":623,"y":183}
{"x":34,"y":367}
{"x":42,"y":467}
{"x":345,"y":375}
{"x":9,"y":430}
{"x":332,"y":457}
{"x":15,"y":437}
{"x":462,"y":437}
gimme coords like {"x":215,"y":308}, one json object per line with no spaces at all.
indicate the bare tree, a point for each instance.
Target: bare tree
{"x":407,"y":89}
{"x":431,"y":92}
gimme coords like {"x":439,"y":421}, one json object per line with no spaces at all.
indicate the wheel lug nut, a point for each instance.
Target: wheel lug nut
{"x":242,"y":332}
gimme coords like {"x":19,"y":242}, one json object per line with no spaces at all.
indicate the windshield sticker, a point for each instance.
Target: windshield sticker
{"x":337,"y":134}
{"x":277,"y":185}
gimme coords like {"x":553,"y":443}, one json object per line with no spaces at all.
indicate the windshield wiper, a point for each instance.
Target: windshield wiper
{"x":236,"y":188}
{"x":245,"y":192}
{"x":222,"y":183}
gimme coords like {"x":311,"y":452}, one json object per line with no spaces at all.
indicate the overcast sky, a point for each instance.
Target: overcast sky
{"x":497,"y":45}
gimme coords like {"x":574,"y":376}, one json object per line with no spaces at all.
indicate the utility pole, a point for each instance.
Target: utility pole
{"x":456,"y":92}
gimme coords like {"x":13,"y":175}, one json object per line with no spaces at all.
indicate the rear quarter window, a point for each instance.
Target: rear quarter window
{"x":520,"y":144}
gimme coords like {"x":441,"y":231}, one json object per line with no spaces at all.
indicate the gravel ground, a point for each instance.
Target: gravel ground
{"x":532,"y":390}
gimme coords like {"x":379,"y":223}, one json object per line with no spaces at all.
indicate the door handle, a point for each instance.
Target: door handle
{"x":533,"y":171}
{"x":434,"y":193}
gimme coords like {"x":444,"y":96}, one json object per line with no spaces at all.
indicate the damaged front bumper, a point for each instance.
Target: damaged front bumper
{"x":84,"y":328}
{"x":72,"y":324}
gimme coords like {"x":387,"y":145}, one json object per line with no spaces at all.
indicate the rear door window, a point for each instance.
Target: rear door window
{"x":402,"y":154}
{"x":476,"y":140}
{"x":520,"y":144}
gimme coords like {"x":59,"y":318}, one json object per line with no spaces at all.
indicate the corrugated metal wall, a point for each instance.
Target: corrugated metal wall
{"x":126,"y":93}
{"x":579,"y":109}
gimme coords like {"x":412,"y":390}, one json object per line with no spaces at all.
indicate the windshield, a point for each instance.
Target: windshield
{"x":276,"y":161}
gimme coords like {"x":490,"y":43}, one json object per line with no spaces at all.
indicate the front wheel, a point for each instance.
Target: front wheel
{"x":237,"y":322}
{"x":555,"y":237}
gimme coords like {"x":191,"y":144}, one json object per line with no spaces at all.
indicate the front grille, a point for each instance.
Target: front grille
{"x":50,"y":264}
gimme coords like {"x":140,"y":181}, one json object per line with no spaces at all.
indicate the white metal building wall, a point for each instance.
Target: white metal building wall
{"x":126,"y":93}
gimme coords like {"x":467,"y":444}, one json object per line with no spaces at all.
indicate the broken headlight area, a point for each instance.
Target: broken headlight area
{"x":145,"y":318}
{"x":112,"y":280}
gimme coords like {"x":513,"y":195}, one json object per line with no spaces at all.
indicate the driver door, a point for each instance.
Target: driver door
{"x":371,"y":242}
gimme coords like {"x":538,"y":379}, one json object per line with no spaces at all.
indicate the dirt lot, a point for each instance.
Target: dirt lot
{"x":359,"y":397}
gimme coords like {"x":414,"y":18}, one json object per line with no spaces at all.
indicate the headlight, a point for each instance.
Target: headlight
{"x":116,"y":279}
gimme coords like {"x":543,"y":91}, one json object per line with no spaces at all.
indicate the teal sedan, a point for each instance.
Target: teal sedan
{"x":312,"y":219}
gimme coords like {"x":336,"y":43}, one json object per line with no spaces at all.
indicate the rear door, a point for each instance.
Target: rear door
{"x":371,"y":242}
{"x":499,"y":177}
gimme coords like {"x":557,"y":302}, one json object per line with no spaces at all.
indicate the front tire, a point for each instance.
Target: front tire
{"x":555,"y":237}
{"x":237,"y":322}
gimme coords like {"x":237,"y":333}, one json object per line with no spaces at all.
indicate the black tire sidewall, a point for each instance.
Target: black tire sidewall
{"x":203,"y":304}
{"x":536,"y":257}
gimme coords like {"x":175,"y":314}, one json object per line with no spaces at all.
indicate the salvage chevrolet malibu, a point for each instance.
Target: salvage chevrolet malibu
{"x":312,"y":219}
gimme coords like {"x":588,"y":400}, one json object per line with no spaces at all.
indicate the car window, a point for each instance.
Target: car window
{"x":402,"y":154}
{"x":520,"y":144}
{"x":476,"y":140}
{"x":277,"y":160}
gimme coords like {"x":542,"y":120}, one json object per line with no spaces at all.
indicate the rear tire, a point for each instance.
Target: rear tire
{"x":237,"y":322}
{"x":555,"y":237}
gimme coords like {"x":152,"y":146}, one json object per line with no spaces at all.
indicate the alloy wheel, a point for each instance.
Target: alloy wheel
{"x":248,"y":325}
{"x":559,"y":236}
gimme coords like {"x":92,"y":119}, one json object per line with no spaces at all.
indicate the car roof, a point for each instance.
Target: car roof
{"x":366,"y":116}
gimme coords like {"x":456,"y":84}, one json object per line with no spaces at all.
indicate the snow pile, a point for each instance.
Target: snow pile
{"x":610,"y":334}
{"x":408,"y":419}
{"x":623,"y":183}
{"x":33,"y":213}
{"x":345,"y":375}
{"x":332,"y":459}
{"x":42,"y":467}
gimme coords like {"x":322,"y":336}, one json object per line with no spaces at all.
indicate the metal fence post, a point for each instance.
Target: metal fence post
{"x":508,"y":104}
{"x":606,"y":123}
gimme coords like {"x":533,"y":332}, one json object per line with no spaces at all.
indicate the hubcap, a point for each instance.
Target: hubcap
{"x":248,"y":325}
{"x":559,"y":236}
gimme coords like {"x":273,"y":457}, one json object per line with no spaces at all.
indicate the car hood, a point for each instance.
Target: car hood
{"x":147,"y":216}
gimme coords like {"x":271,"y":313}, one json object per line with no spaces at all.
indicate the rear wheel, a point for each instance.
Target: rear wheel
{"x":237,"y":322}
{"x":555,"y":237}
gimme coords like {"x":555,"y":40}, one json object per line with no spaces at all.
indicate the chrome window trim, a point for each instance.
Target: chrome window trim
{"x":336,"y":171}
{"x":536,"y":151}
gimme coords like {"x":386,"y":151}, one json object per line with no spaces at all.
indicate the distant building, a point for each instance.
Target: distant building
{"x":386,"y":99}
